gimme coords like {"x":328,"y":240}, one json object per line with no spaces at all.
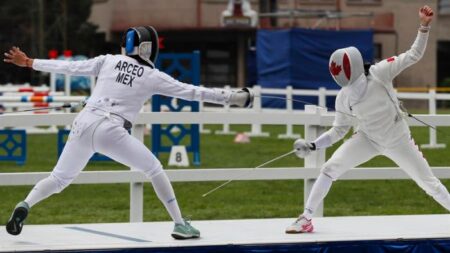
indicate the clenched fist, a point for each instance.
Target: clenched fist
{"x":426,"y":15}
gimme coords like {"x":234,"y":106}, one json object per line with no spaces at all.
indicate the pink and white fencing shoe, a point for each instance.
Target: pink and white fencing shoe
{"x":301,"y":225}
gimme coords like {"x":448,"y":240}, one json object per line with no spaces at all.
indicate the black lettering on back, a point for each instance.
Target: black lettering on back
{"x":135,"y":67}
{"x":140,"y":71}
{"x":120,"y":77}
{"x":130,"y":68}
{"x":124,"y":66}
{"x":118,"y":65}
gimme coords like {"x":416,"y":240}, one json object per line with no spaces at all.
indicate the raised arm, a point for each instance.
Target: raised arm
{"x":388,"y":69}
{"x":77,"y":68}
{"x":164,"y":84}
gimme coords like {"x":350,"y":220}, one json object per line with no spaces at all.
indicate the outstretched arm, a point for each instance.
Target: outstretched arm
{"x":164,"y":84}
{"x":388,"y":69}
{"x":80,"y":68}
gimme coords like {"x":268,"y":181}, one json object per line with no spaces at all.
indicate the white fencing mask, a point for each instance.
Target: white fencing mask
{"x":346,"y":66}
{"x":347,"y":69}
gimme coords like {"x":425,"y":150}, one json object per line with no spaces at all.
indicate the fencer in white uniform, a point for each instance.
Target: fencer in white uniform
{"x":124,"y":83}
{"x":370,"y":101}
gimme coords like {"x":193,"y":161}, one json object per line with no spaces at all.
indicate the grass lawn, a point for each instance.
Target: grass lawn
{"x":249,"y":199}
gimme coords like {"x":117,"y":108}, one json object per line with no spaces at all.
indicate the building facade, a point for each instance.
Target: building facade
{"x":188,"y":25}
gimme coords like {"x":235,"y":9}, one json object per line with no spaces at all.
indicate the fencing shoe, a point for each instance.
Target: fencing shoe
{"x":185,"y":231}
{"x":301,"y":225}
{"x":15,"y":222}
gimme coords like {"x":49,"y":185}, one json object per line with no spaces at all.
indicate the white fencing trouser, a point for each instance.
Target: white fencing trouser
{"x":93,"y":131}
{"x":360,"y":149}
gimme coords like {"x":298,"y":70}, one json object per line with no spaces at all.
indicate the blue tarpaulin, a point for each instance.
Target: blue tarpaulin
{"x":299,"y":57}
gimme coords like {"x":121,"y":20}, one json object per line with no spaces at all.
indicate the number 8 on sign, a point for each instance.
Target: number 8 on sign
{"x":178,"y":156}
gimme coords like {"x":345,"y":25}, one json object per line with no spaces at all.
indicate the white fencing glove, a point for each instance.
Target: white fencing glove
{"x":303,"y":148}
{"x":242,"y":98}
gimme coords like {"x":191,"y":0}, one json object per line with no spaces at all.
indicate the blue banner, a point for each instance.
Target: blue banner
{"x":299,"y":57}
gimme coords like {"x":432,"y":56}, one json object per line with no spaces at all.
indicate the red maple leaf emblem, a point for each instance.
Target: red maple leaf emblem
{"x":161,"y":42}
{"x":391,"y":59}
{"x":335,"y":69}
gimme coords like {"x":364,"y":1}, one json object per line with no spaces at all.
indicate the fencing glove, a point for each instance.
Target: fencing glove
{"x":242,"y":98}
{"x":303,"y":148}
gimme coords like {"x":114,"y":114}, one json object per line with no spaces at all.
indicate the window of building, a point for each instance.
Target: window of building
{"x":444,"y":7}
{"x":364,"y":2}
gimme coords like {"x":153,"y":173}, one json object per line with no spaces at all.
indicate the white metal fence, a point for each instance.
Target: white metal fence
{"x":322,"y":94}
{"x":256,"y":130}
{"x":315,"y":120}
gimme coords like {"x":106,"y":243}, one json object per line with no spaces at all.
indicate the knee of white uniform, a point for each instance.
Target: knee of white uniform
{"x":154,"y":171}
{"x":61,"y":183}
{"x":332,"y":170}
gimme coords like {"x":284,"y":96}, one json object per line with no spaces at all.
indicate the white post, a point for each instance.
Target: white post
{"x":322,"y":97}
{"x":257,"y":107}
{"x":52,"y":82}
{"x":225,"y":127}
{"x":67,"y":93}
{"x":317,"y":158}
{"x":148,"y":108}
{"x":432,"y":111}
{"x":137,"y":189}
{"x":52,"y":87}
{"x":289,"y":109}
{"x":67,"y":85}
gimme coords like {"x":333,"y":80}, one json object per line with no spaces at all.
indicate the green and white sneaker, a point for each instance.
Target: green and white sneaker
{"x":185,"y":231}
{"x":15,"y":222}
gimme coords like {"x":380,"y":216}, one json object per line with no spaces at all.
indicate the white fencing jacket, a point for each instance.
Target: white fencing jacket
{"x":123,"y":84}
{"x":376,"y":111}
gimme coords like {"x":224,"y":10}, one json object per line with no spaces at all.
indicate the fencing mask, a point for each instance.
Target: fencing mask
{"x":346,"y":66}
{"x":141,"y":43}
